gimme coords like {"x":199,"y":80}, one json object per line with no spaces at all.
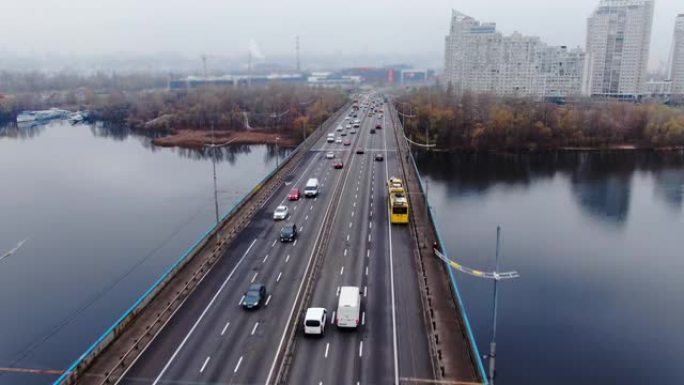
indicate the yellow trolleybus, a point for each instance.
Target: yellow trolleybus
{"x":397,"y":201}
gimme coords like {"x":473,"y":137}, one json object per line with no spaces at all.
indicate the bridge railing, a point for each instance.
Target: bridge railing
{"x":450,"y":269}
{"x":110,"y":334}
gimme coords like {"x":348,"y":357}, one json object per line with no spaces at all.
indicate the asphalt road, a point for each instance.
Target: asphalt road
{"x":211,"y":339}
{"x":366,"y":251}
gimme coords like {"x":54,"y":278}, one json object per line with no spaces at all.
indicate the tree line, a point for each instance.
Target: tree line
{"x":484,"y":121}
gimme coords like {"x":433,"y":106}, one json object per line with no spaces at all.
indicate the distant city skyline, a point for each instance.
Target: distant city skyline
{"x":383,"y":28}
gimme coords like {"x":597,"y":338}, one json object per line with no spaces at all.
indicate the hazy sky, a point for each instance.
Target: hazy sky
{"x":226,"y":27}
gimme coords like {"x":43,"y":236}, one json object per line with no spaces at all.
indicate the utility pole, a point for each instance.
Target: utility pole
{"x":492,"y":345}
{"x":204,"y":66}
{"x":213,"y":164}
{"x":298,"y":58}
{"x":249,"y":68}
{"x":276,"y":152}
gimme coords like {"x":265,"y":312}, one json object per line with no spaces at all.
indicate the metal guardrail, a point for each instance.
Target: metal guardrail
{"x":85,"y":359}
{"x":452,"y":276}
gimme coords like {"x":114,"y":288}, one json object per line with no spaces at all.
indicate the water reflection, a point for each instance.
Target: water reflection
{"x":600,"y":181}
{"x":119,"y":132}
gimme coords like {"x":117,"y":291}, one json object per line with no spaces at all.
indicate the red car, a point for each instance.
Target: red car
{"x":293,"y":195}
{"x":378,"y":126}
{"x":347,"y":142}
{"x":338,"y":164}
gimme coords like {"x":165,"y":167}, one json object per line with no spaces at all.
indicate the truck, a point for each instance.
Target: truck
{"x":348,"y":307}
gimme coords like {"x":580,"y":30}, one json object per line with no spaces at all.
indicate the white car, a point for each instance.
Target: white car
{"x":352,"y":132}
{"x":330,"y":155}
{"x":338,"y":140}
{"x":338,"y":129}
{"x":280,"y":213}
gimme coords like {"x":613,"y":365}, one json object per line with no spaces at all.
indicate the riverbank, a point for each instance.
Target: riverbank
{"x":197,"y":139}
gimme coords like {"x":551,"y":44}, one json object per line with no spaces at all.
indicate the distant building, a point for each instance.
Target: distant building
{"x":658,"y":88}
{"x":480,"y":59}
{"x":234,"y":80}
{"x":416,"y":76}
{"x":677,"y":69}
{"x":618,"y":40}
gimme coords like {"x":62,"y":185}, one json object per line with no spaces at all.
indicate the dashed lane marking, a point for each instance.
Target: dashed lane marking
{"x":223,"y":331}
{"x":204,"y":365}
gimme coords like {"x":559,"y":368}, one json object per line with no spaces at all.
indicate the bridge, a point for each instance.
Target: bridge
{"x":189,"y":328}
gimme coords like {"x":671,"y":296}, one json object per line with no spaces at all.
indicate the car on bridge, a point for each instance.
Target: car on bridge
{"x":255,"y":296}
{"x":347,"y":142}
{"x":360,"y":151}
{"x":294,"y":194}
{"x":329,"y":155}
{"x":338,"y":164}
{"x":280,"y":213}
{"x":288,"y":233}
{"x":378,"y":126}
{"x":338,"y":140}
{"x":379,"y":157}
{"x":372,"y":130}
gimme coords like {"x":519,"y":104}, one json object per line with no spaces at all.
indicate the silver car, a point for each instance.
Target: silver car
{"x":280,"y":213}
{"x":330,"y":155}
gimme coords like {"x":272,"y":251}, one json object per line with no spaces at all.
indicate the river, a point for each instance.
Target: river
{"x":104,"y":213}
{"x":597,"y":239}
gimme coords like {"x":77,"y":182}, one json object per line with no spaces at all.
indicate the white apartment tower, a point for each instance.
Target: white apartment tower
{"x":480,"y":59}
{"x":618,"y":40}
{"x":677,"y":69}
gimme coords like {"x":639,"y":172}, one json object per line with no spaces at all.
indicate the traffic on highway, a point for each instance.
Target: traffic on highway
{"x":320,"y":288}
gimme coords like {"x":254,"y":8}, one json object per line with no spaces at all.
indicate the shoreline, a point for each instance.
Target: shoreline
{"x":194,"y":139}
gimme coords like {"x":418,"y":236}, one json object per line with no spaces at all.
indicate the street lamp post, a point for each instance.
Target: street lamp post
{"x":276,"y":152}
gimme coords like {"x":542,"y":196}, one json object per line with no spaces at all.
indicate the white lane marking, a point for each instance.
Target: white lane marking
{"x":327,"y":347}
{"x":311,"y":208}
{"x":268,"y":300}
{"x":365,"y":291}
{"x":238,"y":365}
{"x":350,"y":224}
{"x":347,"y":237}
{"x":345,"y":252}
{"x":342,"y":270}
{"x":204,"y":312}
{"x":256,"y":325}
{"x":391,"y":257}
{"x":294,"y":243}
{"x":223,"y":331}
{"x":279,"y":275}
{"x":254,"y":277}
{"x":242,"y":299}
{"x":356,"y":196}
{"x":287,"y":258}
{"x":370,"y":225}
{"x":368,"y":253}
{"x":357,"y":188}
{"x":366,"y":270}
{"x":371,"y":204}
{"x":363,"y":318}
{"x":273,"y":244}
{"x":371,"y":214}
{"x":332,"y":319}
{"x":204,"y":365}
{"x":294,"y":208}
{"x":369,"y":237}
{"x":360,"y":348}
{"x":265,"y":258}
{"x":306,"y":218}
{"x":354,"y":204}
{"x":301,"y":229}
{"x":337,"y":293}
{"x":352,"y":213}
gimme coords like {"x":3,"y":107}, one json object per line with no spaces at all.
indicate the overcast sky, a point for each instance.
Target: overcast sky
{"x":349,"y":27}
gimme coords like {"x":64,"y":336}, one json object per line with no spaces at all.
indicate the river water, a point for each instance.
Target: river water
{"x":598,"y":241}
{"x":103,"y":213}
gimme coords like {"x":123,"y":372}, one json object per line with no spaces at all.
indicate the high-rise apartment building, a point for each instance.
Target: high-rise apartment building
{"x":480,"y":59}
{"x":618,"y":40}
{"x":677,"y":69}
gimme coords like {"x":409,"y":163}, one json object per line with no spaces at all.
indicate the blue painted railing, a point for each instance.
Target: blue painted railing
{"x":110,"y":332}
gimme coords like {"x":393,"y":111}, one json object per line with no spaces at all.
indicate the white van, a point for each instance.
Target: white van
{"x":311,"y":188}
{"x":314,"y":321}
{"x":348,"y":307}
{"x":331,"y":137}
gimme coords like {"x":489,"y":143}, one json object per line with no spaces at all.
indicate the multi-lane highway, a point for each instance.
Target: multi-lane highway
{"x":212,"y":339}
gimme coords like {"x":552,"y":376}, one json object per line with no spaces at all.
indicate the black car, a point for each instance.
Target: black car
{"x":372,"y":130}
{"x":360,"y":151}
{"x":379,"y":157}
{"x":255,"y":295}
{"x":288,"y":233}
